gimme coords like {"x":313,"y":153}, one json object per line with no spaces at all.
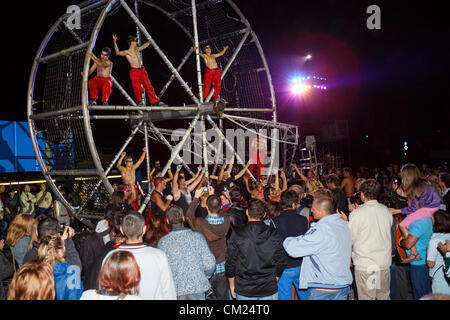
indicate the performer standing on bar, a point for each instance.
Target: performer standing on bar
{"x":102,"y":81}
{"x":258,"y":149}
{"x":213,"y":72}
{"x":138,"y":74}
{"x":129,"y":172}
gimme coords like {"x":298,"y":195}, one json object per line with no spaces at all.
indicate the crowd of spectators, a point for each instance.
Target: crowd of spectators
{"x":338,"y":234}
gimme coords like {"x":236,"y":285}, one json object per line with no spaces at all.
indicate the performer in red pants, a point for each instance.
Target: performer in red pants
{"x":258,"y":148}
{"x":138,"y":74}
{"x":102,"y":81}
{"x":213,"y":72}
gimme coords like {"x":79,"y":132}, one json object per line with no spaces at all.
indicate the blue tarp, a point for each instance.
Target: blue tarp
{"x":16,"y":150}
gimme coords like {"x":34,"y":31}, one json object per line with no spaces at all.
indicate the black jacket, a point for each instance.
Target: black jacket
{"x":290,"y":224}
{"x":238,"y":217}
{"x":255,"y":257}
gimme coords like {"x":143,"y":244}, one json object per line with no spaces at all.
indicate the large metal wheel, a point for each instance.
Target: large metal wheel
{"x":57,"y":101}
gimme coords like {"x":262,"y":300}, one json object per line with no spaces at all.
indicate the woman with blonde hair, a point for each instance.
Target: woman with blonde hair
{"x":19,"y":235}
{"x":118,"y":279}
{"x":33,"y":281}
{"x":68,"y":285}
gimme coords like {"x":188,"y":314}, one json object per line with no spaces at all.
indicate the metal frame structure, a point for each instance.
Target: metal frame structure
{"x":142,"y":115}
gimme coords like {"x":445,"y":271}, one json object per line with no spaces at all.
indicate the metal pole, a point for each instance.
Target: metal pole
{"x":166,"y":86}
{"x":138,"y":35}
{"x":111,"y":165}
{"x":147,"y":158}
{"x":197,"y":56}
{"x":174,"y":155}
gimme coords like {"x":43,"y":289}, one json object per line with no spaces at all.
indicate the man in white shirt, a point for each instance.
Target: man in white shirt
{"x":27,"y":200}
{"x":44,"y":201}
{"x":370,"y":227}
{"x":156,"y":276}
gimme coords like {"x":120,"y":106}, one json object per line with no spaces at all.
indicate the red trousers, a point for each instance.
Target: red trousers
{"x":212,"y":75}
{"x":256,"y":158}
{"x":104,"y":84}
{"x":139,"y":79}
{"x":135,"y":203}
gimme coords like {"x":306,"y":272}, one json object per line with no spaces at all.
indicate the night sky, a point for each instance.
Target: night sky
{"x":391,"y":84}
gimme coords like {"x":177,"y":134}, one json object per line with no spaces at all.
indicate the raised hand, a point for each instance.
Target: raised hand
{"x":115,"y":37}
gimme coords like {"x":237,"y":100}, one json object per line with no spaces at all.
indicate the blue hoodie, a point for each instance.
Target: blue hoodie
{"x":68,"y":285}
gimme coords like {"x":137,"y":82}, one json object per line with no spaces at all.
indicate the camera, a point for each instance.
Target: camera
{"x":205,"y":189}
{"x":61,"y":229}
{"x":225,"y":189}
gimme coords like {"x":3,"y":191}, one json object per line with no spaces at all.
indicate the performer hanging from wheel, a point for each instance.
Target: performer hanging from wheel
{"x":129,"y":172}
{"x":138,"y":74}
{"x":213,"y":72}
{"x":102,"y":81}
{"x":258,"y":148}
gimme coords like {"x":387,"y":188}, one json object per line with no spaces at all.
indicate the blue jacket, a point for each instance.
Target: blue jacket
{"x":68,"y":285}
{"x":326,"y":250}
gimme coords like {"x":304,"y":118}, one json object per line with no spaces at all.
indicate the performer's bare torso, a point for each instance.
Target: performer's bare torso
{"x":104,"y":72}
{"x":128,"y":176}
{"x":134,"y":58}
{"x":210,"y":61}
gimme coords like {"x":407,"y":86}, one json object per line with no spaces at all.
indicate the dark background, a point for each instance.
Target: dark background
{"x":391,"y":84}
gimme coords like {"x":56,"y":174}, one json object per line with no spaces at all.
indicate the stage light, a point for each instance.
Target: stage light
{"x":308,"y":57}
{"x":298,"y":89}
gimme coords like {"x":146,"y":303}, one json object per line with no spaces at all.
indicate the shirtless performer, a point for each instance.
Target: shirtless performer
{"x":102,"y":81}
{"x":138,"y":74}
{"x":213,"y":72}
{"x":348,"y":183}
{"x":128,"y":172}
{"x":258,"y":148}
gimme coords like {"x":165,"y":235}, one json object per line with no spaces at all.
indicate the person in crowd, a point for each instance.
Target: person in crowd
{"x":160,"y":203}
{"x":12,"y":205}
{"x":370,"y":228}
{"x":290,"y":224}
{"x":214,"y":227}
{"x":301,"y":208}
{"x":355,"y":201}
{"x":3,"y":221}
{"x":19,"y":235}
{"x":348,"y":183}
{"x":113,"y":219}
{"x":326,"y":250}
{"x":157,"y":228}
{"x":257,"y":189}
{"x":212,"y":72}
{"x":424,"y":202}
{"x":444,"y":248}
{"x":444,"y":183}
{"x":312,"y":178}
{"x":138,"y":74}
{"x":340,"y":202}
{"x":275,"y":189}
{"x":61,"y":213}
{"x":435,"y":260}
{"x":118,"y":279}
{"x":6,"y":269}
{"x":44,"y":201}
{"x":190,"y":259}
{"x":255,"y":257}
{"x":33,"y":281}
{"x":238,"y":218}
{"x":27,"y":200}
{"x":182,"y":189}
{"x":102,"y":81}
{"x":156,"y":276}
{"x":48,"y":227}
{"x":420,"y":232}
{"x":273,"y":210}
{"x":68,"y":285}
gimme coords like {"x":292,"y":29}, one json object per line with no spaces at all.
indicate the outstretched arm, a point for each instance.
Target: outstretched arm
{"x":194,"y":185}
{"x":246,"y":185}
{"x":221,"y":53}
{"x":293,"y":165}
{"x":116,"y":48}
{"x":199,"y":52}
{"x":170,"y":178}
{"x":241,"y":173}
{"x":141,"y":159}
{"x":283,"y":178}
{"x":175,"y":190}
{"x":98,"y":62}
{"x":188,"y":182}
{"x":119,"y":162}
{"x":142,"y":47}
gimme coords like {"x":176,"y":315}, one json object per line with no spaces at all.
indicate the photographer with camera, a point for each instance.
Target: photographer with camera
{"x":214,"y":227}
